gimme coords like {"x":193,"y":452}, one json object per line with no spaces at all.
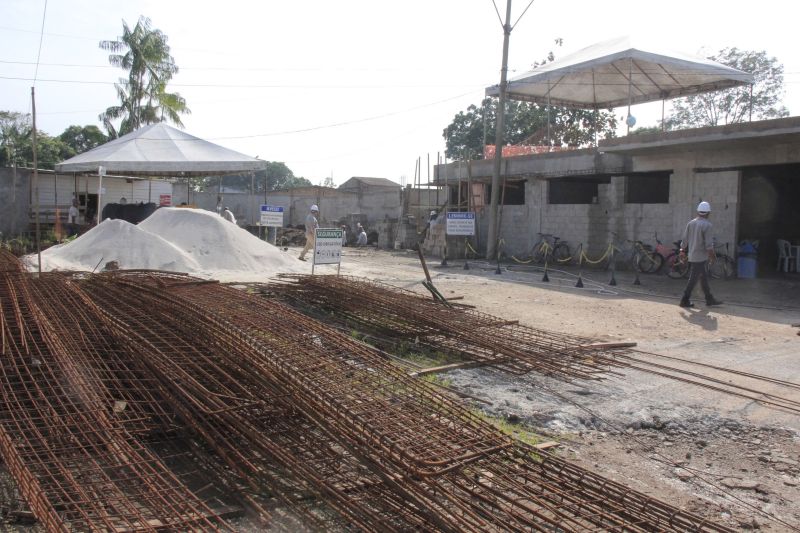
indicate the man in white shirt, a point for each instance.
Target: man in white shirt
{"x":698,"y":248}
{"x":72,"y":218}
{"x":311,"y":225}
{"x":228,"y":215}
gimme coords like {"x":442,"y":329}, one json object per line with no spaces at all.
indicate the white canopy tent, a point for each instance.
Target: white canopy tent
{"x":161,"y":150}
{"x":617,"y":73}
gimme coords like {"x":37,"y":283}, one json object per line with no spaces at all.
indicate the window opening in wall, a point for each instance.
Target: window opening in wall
{"x":575,"y":190}
{"x":514,"y":195}
{"x":649,"y":188}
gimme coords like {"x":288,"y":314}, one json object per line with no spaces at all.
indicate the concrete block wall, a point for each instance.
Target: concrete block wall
{"x":14,"y":201}
{"x":721,"y":190}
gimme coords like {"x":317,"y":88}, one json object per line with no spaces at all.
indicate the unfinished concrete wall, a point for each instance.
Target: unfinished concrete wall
{"x":56,"y":192}
{"x":14,"y":201}
{"x":691,"y":183}
{"x":377,"y":205}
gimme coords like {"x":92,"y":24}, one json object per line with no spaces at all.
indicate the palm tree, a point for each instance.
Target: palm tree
{"x":143,"y":98}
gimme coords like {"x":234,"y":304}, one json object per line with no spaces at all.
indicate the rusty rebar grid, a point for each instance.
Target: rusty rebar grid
{"x":280,"y":342}
{"x":76,"y":467}
{"x":308,"y":413}
{"x":406,"y":316}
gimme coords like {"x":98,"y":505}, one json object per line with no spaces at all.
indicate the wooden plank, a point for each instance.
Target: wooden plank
{"x":547,"y":445}
{"x":445,"y":368}
{"x":606,"y":345}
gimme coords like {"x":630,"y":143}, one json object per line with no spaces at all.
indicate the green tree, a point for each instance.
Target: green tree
{"x":277,"y":176}
{"x":735,"y":105}
{"x":16,"y":143}
{"x":83,"y":138}
{"x":525,"y":123}
{"x":143,"y":96}
{"x":15,"y":131}
{"x":49,"y":151}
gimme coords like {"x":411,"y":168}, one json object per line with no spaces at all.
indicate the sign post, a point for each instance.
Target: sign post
{"x":272,"y":217}
{"x":461,"y":223}
{"x":327,"y":248}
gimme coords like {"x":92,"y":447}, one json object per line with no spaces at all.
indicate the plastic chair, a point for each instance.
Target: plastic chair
{"x":785,"y":256}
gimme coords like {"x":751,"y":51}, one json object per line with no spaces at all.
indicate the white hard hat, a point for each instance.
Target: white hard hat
{"x":314,"y":207}
{"x":433,"y":213}
{"x":703,"y":207}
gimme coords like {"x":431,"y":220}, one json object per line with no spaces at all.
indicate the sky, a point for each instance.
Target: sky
{"x":351,"y":87}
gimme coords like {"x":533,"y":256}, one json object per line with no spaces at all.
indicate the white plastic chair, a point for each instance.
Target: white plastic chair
{"x":785,"y":256}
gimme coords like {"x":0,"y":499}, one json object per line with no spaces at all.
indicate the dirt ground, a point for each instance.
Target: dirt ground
{"x":728,"y":458}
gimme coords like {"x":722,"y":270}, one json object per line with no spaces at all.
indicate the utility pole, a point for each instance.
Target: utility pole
{"x":491,"y":245}
{"x":36,"y":182}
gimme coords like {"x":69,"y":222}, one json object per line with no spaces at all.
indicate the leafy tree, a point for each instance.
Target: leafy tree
{"x":49,"y":150}
{"x":15,"y":131}
{"x":643,"y":130}
{"x":16,"y":143}
{"x":83,"y":138}
{"x":734,"y":105}
{"x":525,"y":123}
{"x":277,"y":176}
{"x":143,"y":96}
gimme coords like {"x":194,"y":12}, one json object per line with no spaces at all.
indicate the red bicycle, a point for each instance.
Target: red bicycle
{"x":676,"y":268}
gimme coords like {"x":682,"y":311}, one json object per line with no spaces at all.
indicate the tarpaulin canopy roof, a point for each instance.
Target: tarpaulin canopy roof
{"x":615,"y":73}
{"x":161,"y":150}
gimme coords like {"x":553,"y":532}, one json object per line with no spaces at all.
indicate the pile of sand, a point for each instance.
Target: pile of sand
{"x":176,"y":239}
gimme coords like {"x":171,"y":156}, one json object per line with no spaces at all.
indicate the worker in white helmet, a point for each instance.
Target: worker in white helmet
{"x":698,"y":247}
{"x":311,"y":225}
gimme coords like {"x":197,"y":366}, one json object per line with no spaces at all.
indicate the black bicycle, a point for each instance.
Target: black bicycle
{"x":724,"y":266}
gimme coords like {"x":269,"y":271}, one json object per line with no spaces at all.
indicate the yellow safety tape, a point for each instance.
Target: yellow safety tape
{"x":596,"y":261}
{"x":470,"y":248}
{"x":521,"y":261}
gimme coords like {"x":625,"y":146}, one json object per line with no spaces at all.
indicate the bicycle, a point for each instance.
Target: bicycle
{"x":678,"y":266}
{"x":551,"y":247}
{"x":650,"y":260}
{"x":632,"y":256}
{"x":724,"y":266}
{"x":671,"y":257}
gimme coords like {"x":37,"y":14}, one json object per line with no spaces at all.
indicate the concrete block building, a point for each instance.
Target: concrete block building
{"x":637,"y":186}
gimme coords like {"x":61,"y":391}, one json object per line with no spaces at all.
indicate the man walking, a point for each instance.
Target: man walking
{"x":72,"y":218}
{"x":228,"y":215}
{"x":311,"y":225}
{"x":698,"y":246}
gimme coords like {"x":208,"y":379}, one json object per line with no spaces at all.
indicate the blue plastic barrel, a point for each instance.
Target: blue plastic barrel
{"x":746,"y":267}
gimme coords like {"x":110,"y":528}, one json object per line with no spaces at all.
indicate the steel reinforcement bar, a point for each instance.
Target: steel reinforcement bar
{"x":520,"y":503}
{"x":77,"y":467}
{"x":403,"y":315}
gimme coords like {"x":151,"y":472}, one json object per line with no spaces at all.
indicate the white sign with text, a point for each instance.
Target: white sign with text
{"x":461,"y":223}
{"x":272,"y":216}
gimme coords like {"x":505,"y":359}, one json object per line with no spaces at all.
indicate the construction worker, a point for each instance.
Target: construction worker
{"x":228,"y":215}
{"x":698,"y":247}
{"x":311,"y":225}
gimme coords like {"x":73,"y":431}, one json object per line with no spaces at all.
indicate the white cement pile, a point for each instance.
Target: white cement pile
{"x":216,"y":244}
{"x":181,"y":240}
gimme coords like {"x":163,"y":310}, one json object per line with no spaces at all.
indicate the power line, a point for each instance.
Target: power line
{"x":246,"y":69}
{"x":41,"y":39}
{"x":346,"y":123}
{"x":321,"y":127}
{"x":254,"y":86}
